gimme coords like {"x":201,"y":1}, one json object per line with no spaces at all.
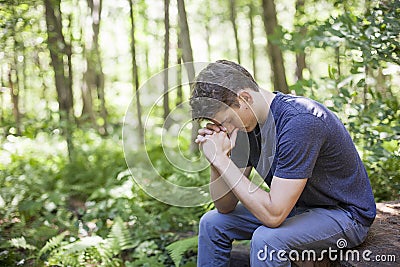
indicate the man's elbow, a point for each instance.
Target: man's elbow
{"x":273,"y":221}
{"x":225,"y":210}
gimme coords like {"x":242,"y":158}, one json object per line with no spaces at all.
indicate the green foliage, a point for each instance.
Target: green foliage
{"x":178,"y":248}
{"x":52,"y":244}
{"x":120,"y":238}
{"x":94,"y":164}
{"x":90,"y":249}
{"x":21,"y":243}
{"x":107,"y":220}
{"x":375,"y":34}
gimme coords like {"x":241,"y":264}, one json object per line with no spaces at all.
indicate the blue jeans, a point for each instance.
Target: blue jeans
{"x":314,"y":229}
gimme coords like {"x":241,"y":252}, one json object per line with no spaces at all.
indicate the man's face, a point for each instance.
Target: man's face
{"x":236,"y":117}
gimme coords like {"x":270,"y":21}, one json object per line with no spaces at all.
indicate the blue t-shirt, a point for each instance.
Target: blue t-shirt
{"x":303,"y":139}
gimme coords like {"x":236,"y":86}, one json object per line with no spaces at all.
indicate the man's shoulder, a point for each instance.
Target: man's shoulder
{"x":288,"y":107}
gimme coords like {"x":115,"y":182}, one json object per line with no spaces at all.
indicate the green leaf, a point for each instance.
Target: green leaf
{"x":345,"y":92}
{"x":21,"y":243}
{"x":53,"y":243}
{"x":332,"y":72}
{"x":178,"y":248}
{"x":391,"y":145}
{"x":120,"y":237}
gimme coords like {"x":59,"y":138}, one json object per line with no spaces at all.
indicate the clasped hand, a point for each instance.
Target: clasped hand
{"x":215,"y":142}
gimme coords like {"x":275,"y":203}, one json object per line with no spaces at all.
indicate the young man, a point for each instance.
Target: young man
{"x":319,"y":189}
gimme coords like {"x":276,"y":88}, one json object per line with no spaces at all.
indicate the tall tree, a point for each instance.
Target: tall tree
{"x":86,"y":90}
{"x":135,"y":75}
{"x":187,"y":56}
{"x":232,"y":13}
{"x":166,"y":59}
{"x":94,"y":73}
{"x":14,"y":81}
{"x":87,"y":97}
{"x":252,"y":45}
{"x":300,"y":56}
{"x":145,"y":45}
{"x":206,"y":16}
{"x":187,"y":53}
{"x":179,"y":93}
{"x":14,"y":93}
{"x":13,"y":22}
{"x":41,"y":73}
{"x":275,"y":54}
{"x":337,"y":55}
{"x":60,"y":49}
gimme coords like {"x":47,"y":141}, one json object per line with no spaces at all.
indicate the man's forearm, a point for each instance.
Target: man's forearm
{"x":224,"y":199}
{"x":271,"y":208}
{"x":258,"y":201}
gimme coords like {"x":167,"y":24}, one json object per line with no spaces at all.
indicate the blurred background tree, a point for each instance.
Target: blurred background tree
{"x":69,"y":68}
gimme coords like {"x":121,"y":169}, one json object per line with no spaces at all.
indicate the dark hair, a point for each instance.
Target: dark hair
{"x":216,"y":87}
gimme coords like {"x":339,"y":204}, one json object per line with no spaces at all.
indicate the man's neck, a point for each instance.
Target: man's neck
{"x":264,"y":105}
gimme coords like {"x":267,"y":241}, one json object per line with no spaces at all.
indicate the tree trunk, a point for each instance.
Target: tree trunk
{"x":95,"y":75}
{"x":24,"y":84}
{"x":87,"y":98}
{"x":232,"y":8}
{"x":16,"y":86}
{"x":146,"y":45}
{"x":41,"y":74}
{"x":187,"y":56}
{"x":252,"y":46}
{"x":87,"y":113}
{"x":337,"y":52}
{"x":14,"y":83}
{"x":208,"y":36}
{"x":63,"y":83}
{"x":55,"y":39}
{"x":300,"y":65}
{"x":135,"y":77}
{"x":187,"y":53}
{"x":381,"y":83}
{"x":14,"y":93}
{"x":179,"y":93}
{"x":166,"y":60}
{"x":300,"y":56}
{"x":275,"y":54}
{"x":147,"y":59}
{"x":365,"y":88}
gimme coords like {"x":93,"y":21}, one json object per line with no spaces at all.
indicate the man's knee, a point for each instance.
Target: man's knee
{"x":273,"y":238}
{"x":210,"y":220}
{"x":268,"y":245}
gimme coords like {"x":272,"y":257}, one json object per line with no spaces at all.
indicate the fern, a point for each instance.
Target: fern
{"x":120,"y":238}
{"x":87,"y":250}
{"x":21,"y":243}
{"x":90,"y":250}
{"x":178,"y":248}
{"x":52,"y":244}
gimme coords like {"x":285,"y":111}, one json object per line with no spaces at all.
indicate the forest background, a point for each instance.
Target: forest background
{"x":70,"y":69}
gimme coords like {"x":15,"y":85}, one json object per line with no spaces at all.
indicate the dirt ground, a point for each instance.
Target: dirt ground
{"x":384,"y":237}
{"x":383,"y":241}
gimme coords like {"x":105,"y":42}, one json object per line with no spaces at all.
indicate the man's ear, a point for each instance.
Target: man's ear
{"x":245,"y":96}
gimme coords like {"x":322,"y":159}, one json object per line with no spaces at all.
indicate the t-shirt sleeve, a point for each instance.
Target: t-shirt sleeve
{"x":240,"y":154}
{"x":299,"y":144}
